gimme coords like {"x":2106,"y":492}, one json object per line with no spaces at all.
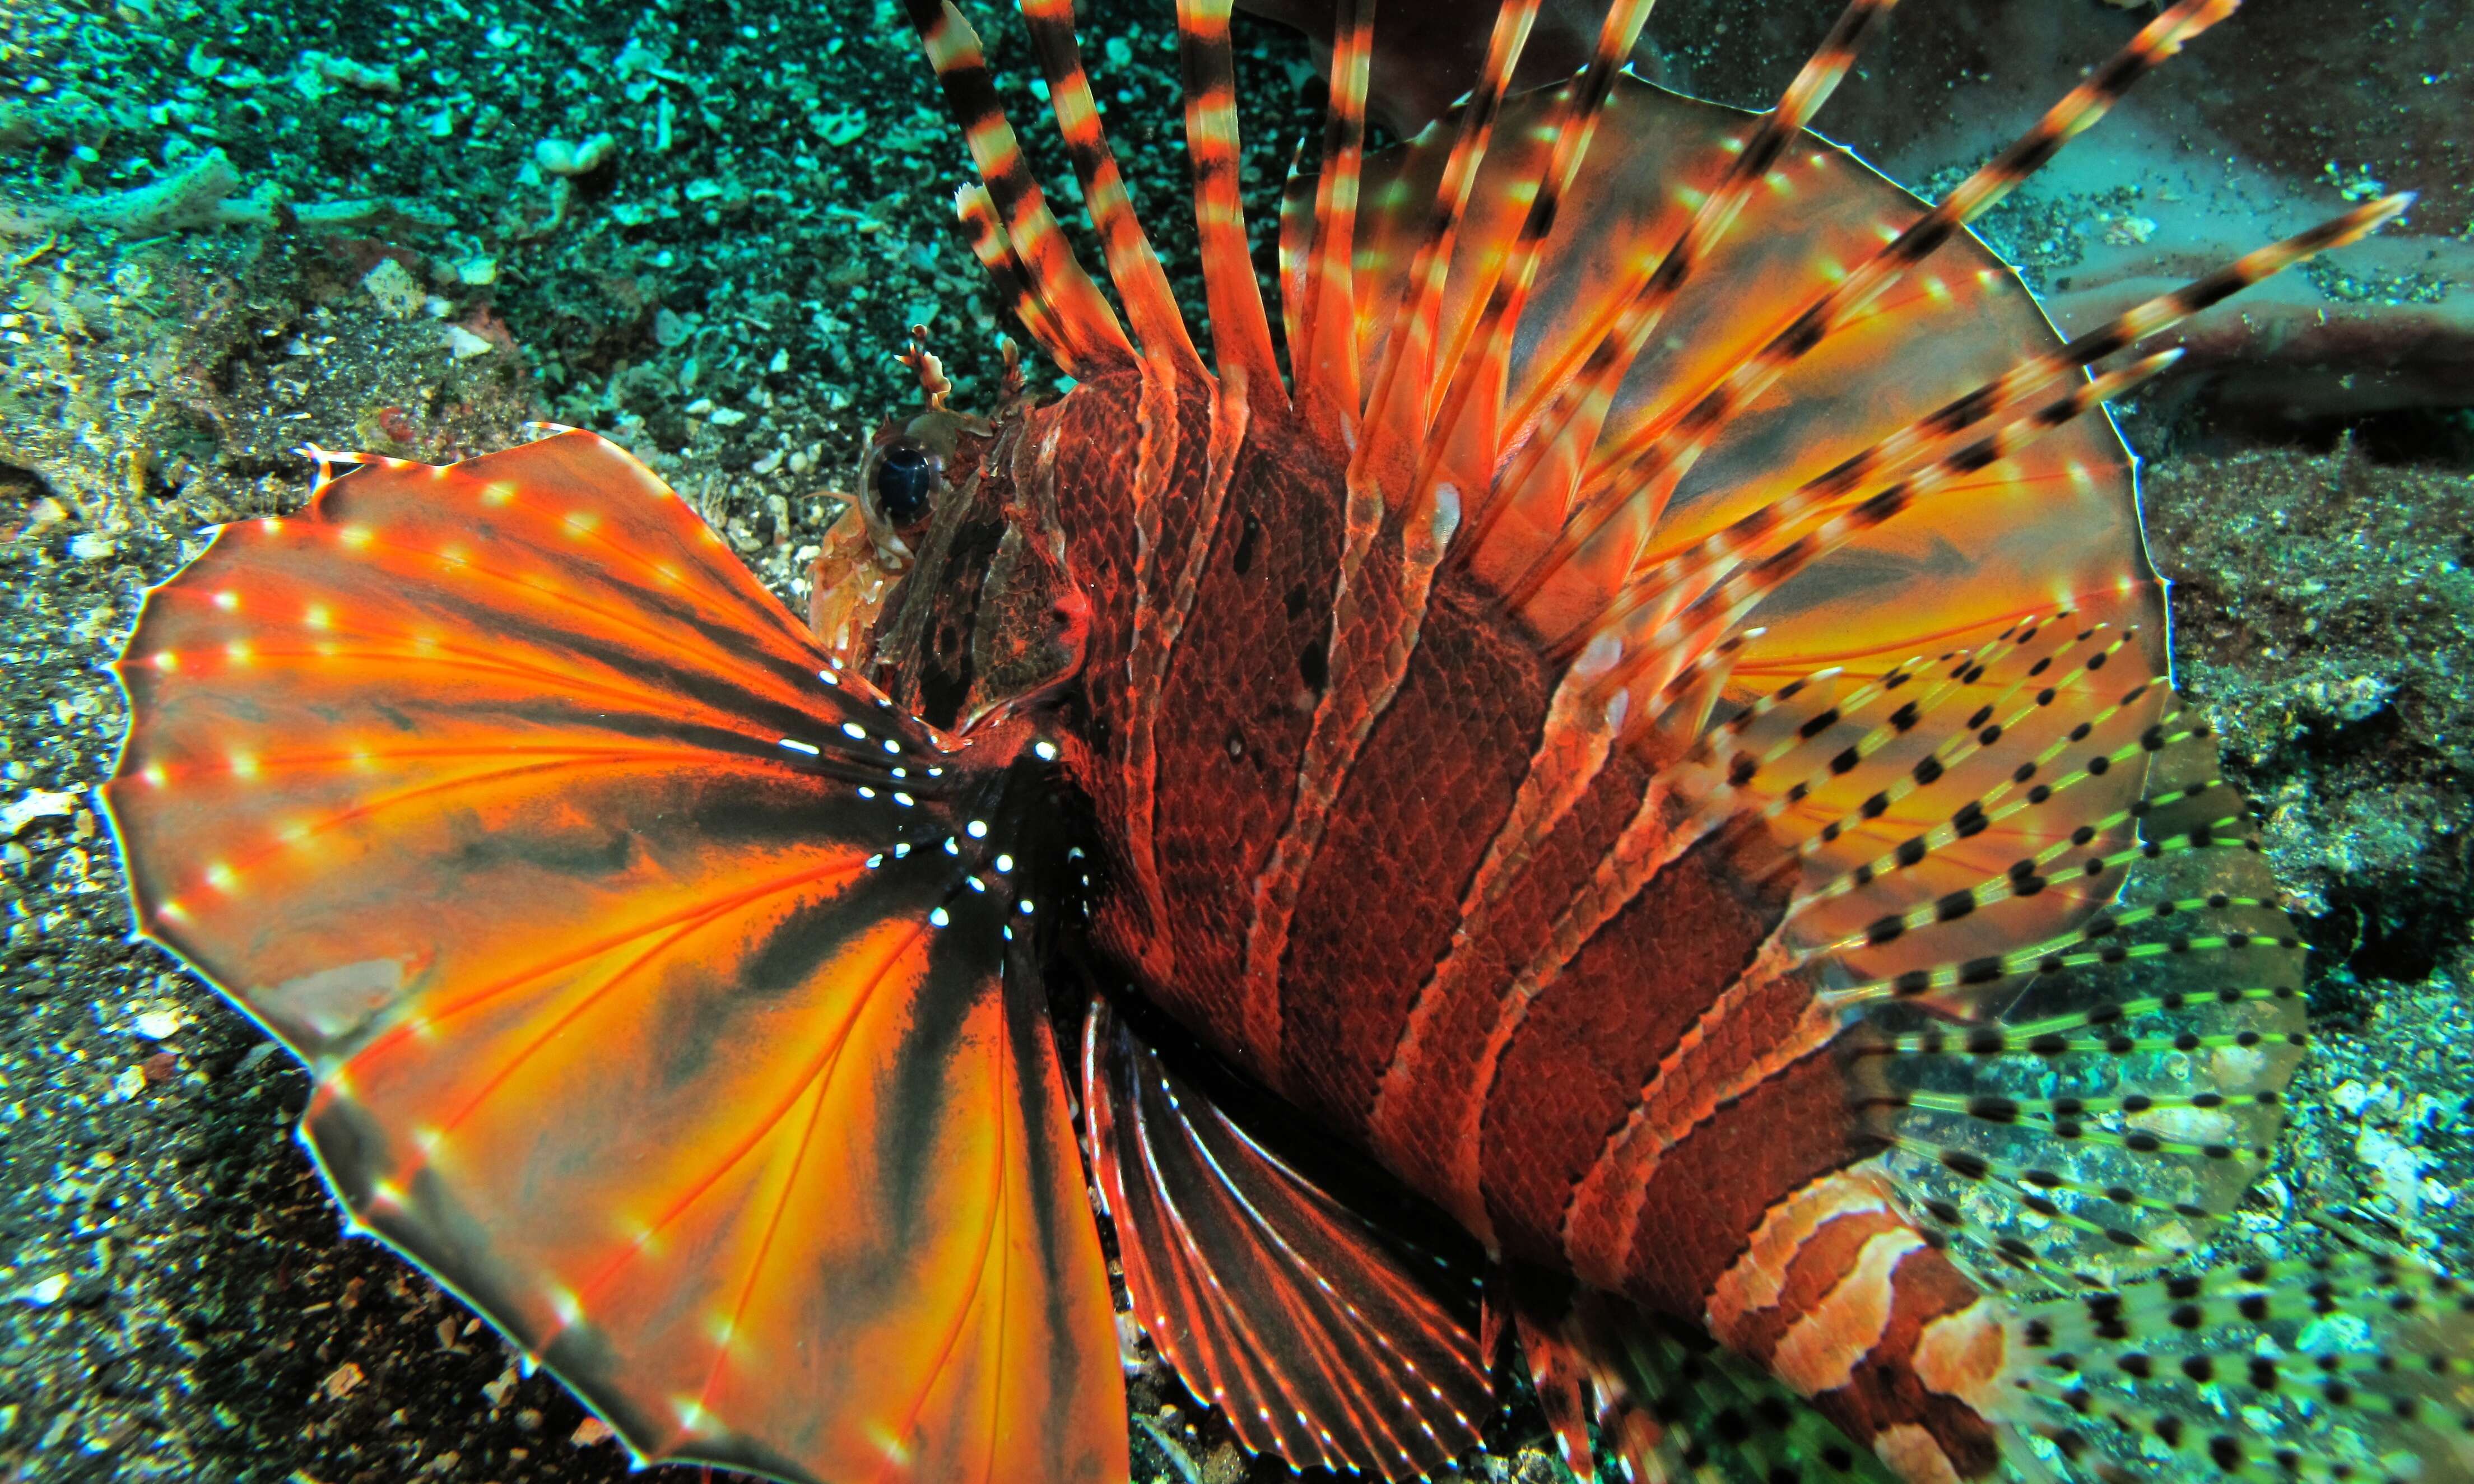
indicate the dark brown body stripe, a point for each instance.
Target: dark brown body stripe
{"x":1379,"y":908}
{"x":1714,"y":1186}
{"x":1592,"y":1040}
{"x":1520,"y":924}
{"x":1231,"y":721}
{"x":1379,"y":905}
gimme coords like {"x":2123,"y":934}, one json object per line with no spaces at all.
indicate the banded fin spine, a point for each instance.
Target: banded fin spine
{"x":1400,"y":403}
{"x":1274,"y":1303}
{"x":1241,"y":332}
{"x":2356,"y":1353}
{"x":1477,"y":366}
{"x":1055,"y":276}
{"x":1560,"y":435}
{"x":1647,"y":465}
{"x":1658,"y":576}
{"x":1009,"y":279}
{"x":1657,"y":665}
{"x":1132,"y":265}
{"x":1323,"y":355}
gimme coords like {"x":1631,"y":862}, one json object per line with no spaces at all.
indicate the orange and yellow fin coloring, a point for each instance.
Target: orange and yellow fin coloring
{"x":647,"y":1008}
{"x":1241,"y":328}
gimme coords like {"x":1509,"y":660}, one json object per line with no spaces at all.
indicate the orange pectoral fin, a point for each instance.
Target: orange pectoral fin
{"x":648,"y":1008}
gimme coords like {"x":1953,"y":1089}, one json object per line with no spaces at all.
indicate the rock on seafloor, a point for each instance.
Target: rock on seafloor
{"x":230,"y":230}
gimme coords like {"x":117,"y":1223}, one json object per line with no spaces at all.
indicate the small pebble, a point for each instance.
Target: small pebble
{"x":46,"y":1291}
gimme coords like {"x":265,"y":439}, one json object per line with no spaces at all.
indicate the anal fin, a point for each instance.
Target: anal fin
{"x":1319,"y":1340}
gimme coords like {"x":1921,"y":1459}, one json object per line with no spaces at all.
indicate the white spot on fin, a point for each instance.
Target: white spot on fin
{"x":332,"y":1002}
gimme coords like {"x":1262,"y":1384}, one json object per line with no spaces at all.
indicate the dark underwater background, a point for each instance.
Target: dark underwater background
{"x":227,"y":229}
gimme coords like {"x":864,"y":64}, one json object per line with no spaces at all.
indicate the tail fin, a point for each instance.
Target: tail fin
{"x":670,"y":996}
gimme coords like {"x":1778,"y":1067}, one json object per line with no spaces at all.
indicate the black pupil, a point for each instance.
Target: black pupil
{"x":904,"y":482}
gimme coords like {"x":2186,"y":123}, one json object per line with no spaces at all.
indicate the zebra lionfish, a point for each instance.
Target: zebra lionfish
{"x":1628,"y":807}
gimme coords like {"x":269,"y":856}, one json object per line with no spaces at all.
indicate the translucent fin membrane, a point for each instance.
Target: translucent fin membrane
{"x":1276,"y":1303}
{"x":661,"y":995}
{"x":2347,"y":1366}
{"x":2075,"y":1003}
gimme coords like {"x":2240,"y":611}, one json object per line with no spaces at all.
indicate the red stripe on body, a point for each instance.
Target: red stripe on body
{"x":1229,"y":726}
{"x":1378,"y":905}
{"x":1575,"y":1067}
{"x":1434,"y":1065}
{"x":1714,"y":1186}
{"x":1760,"y":1024}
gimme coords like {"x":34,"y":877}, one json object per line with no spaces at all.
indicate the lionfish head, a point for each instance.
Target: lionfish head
{"x":947,"y":576}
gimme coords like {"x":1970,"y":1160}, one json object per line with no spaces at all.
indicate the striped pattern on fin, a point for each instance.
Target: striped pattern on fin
{"x":1401,"y":399}
{"x":989,"y":244}
{"x":1323,"y":352}
{"x":1055,"y":277}
{"x":2073,"y":1002}
{"x":1478,"y":367}
{"x":1951,"y":322}
{"x":1275,"y":1303}
{"x":1646,"y":464}
{"x":1676,"y":153}
{"x":1554,"y":441}
{"x":1132,"y":265}
{"x":1663,"y":581}
{"x":640,"y":1123}
{"x":2358,"y":1355}
{"x":1659,"y":648}
{"x":1241,"y":330}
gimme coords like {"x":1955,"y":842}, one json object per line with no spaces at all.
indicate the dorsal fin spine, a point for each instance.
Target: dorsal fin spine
{"x":1583,"y":387}
{"x":1664,"y":572}
{"x":1323,"y":357}
{"x":1632,"y":470}
{"x":1082,"y":314}
{"x":1658,"y":661}
{"x":1241,"y":332}
{"x":1008,"y":276}
{"x":1473,"y":370}
{"x":1400,"y":406}
{"x":1649,"y":462}
{"x":1133,"y":264}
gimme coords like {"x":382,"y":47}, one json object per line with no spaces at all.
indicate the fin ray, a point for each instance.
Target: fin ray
{"x":607,"y":1121}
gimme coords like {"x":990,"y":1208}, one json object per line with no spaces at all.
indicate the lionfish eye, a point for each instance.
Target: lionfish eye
{"x":905,"y":480}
